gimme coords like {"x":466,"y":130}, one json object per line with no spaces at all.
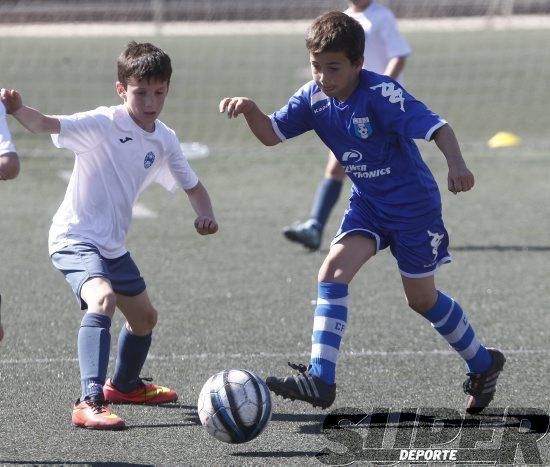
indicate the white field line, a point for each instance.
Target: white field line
{"x":275,"y":355}
{"x":218,"y":28}
{"x":139,"y":211}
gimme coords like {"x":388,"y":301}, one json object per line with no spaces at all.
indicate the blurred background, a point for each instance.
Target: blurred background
{"x":245,"y":297}
{"x":482,"y":64}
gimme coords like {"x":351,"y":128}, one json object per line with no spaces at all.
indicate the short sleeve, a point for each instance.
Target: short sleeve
{"x":177,"y":172}
{"x":84,"y":130}
{"x":396,"y":45}
{"x":401,"y":113}
{"x":6,"y":144}
{"x":293,"y":119}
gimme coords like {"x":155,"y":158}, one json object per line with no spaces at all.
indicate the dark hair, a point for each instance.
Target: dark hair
{"x":143,"y":61}
{"x":336,"y":32}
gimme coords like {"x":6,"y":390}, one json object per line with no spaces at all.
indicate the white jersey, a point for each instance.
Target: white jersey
{"x":383,"y":41}
{"x":6,"y":144}
{"x":115,"y":161}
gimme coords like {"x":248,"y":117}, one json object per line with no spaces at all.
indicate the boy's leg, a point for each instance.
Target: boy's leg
{"x":448,"y":318}
{"x":309,"y":233}
{"x":133,"y":346}
{"x":134,"y":340}
{"x":86,"y":271}
{"x":328,"y":192}
{"x":94,"y":338}
{"x":316,"y":384}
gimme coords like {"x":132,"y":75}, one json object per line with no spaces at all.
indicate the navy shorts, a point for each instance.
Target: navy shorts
{"x":80,"y":262}
{"x":419,"y":251}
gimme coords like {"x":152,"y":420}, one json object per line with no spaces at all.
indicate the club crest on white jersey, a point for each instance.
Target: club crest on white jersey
{"x":394,"y":94}
{"x":149,"y":159}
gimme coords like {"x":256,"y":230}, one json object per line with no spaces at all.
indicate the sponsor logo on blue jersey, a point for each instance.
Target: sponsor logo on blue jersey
{"x":350,"y":161}
{"x":394,"y":95}
{"x":362,"y":127}
{"x":319,"y":102}
{"x":149,"y":159}
{"x":362,"y":171}
{"x":352,"y":156}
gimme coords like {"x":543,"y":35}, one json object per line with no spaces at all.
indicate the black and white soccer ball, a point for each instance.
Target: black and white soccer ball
{"x":234,"y":406}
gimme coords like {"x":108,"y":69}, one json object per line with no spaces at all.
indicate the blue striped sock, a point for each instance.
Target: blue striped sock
{"x":451,"y":322}
{"x":329,"y":325}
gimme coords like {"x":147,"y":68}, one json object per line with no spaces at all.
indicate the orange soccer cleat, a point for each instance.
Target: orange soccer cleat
{"x":146,"y":393}
{"x":95,"y":414}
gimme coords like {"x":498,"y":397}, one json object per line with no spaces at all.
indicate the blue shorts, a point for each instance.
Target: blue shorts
{"x":82,"y":261}
{"x":419,"y":251}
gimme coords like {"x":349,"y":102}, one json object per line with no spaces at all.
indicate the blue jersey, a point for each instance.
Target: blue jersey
{"x":371,"y":134}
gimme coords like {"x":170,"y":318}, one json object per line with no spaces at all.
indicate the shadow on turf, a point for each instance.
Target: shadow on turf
{"x":175,"y":405}
{"x":264,"y":454}
{"x":524,"y":248}
{"x":191,"y":422}
{"x":189,"y":411}
{"x":91,"y":464}
{"x":312,"y":428}
{"x":298,"y":417}
{"x":501,"y":248}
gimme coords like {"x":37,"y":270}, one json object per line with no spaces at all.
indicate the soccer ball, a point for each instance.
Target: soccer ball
{"x":234,"y":406}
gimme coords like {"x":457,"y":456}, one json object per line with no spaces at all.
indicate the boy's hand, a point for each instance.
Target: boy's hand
{"x":206,"y":225}
{"x":235,"y":106}
{"x":460,"y":179}
{"x":11,"y":100}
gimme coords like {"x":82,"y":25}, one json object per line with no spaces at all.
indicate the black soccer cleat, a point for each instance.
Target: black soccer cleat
{"x":481,"y":387}
{"x":303,"y":387}
{"x":305,"y":233}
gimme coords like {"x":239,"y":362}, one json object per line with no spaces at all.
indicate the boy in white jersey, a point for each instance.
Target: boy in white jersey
{"x":9,"y":165}
{"x":386,"y":52}
{"x":119,"y":151}
{"x":370,"y":122}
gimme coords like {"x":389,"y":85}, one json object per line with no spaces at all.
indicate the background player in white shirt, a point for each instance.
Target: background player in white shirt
{"x":9,"y":165}
{"x":386,"y":51}
{"x":119,"y":151}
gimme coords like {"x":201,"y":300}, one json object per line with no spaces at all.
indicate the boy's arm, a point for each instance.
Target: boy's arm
{"x":9,"y":166}
{"x":31,"y":119}
{"x":460,"y":178}
{"x":9,"y":162}
{"x":395,"y":66}
{"x":205,"y":223}
{"x":259,"y":123}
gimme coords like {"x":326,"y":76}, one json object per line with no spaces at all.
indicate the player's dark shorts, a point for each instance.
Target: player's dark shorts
{"x":419,"y":251}
{"x":80,"y":262}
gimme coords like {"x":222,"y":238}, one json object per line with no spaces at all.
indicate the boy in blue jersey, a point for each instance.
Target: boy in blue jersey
{"x":369,"y":122}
